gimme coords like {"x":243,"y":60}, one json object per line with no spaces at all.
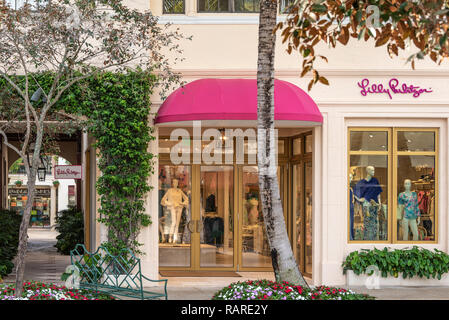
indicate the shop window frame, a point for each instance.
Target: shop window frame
{"x":392,"y":161}
{"x":300,"y":160}
{"x":226,"y":11}
{"x":435,"y":154}
{"x":176,"y":13}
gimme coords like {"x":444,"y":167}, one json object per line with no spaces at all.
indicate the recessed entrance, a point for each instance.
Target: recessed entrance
{"x":210,"y":216}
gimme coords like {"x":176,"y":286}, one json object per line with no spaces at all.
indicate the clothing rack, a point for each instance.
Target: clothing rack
{"x":424,"y":185}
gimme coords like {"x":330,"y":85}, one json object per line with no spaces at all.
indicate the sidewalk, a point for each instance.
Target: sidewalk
{"x":197,"y":289}
{"x":43,"y":263}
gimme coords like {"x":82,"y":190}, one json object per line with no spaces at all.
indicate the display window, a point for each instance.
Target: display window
{"x":174,"y":215}
{"x":40,"y":212}
{"x":392,"y":185}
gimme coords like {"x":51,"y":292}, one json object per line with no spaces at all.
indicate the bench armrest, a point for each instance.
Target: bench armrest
{"x":163,"y":280}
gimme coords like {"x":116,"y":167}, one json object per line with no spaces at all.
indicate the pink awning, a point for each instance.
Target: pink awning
{"x":235,"y":99}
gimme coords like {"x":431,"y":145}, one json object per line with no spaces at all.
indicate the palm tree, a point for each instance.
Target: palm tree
{"x":284,"y":263}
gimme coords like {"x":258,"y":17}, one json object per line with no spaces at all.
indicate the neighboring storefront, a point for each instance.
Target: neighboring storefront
{"x":40,"y":212}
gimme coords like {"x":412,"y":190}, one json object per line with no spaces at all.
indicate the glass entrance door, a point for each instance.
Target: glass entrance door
{"x":302,"y":215}
{"x":301,"y":201}
{"x":217,"y":221}
{"x":197,"y":217}
{"x":255,"y":252}
{"x":307,"y":268}
{"x":210,"y":216}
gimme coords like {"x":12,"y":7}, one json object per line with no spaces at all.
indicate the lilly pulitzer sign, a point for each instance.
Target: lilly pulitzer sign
{"x":392,"y":88}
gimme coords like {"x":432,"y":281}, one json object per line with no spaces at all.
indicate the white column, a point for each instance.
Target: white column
{"x":149,"y":236}
{"x":53,"y":208}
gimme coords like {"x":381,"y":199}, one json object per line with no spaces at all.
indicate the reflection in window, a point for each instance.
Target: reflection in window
{"x":228,"y":6}
{"x":256,"y":252}
{"x":416,"y":141}
{"x":17,"y":4}
{"x":416,"y":198}
{"x":309,"y":142}
{"x":368,"y":196}
{"x":181,"y":146}
{"x":308,"y":217}
{"x":369,"y":140}
{"x":297,"y":211}
{"x":216,"y":233}
{"x":284,"y":6}
{"x":173,"y":6}
{"x":297,"y":146}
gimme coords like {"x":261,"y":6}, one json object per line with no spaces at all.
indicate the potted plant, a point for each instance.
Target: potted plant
{"x":56,"y":183}
{"x":414,"y":266}
{"x":18,"y":183}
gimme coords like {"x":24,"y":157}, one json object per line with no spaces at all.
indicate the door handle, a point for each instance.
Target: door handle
{"x":199,"y":225}
{"x":189,"y":226}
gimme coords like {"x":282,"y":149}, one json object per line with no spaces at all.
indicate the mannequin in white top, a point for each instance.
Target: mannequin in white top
{"x":174,"y":200}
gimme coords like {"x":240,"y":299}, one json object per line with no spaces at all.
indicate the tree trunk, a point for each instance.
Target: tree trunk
{"x":31,"y":169}
{"x":23,"y":234}
{"x":283,"y":260}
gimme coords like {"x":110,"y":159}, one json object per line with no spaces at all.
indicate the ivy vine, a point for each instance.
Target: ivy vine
{"x":117,"y":108}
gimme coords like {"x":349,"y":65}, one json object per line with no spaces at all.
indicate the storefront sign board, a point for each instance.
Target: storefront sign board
{"x":68,"y":172}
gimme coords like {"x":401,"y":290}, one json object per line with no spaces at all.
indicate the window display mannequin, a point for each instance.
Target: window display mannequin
{"x":174,"y":200}
{"x":409,"y":211}
{"x":253,"y":214}
{"x":351,"y":209}
{"x":367,"y":192}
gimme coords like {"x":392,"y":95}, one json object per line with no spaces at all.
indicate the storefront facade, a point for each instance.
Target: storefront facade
{"x":210,"y":217}
{"x":345,"y":183}
{"x":40,"y":212}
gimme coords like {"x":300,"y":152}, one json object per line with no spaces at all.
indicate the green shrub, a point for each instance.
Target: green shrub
{"x":70,"y":225}
{"x":411,"y":262}
{"x":269,"y":290}
{"x":9,"y":240}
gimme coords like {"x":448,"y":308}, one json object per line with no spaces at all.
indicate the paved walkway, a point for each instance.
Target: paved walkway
{"x":43,"y":263}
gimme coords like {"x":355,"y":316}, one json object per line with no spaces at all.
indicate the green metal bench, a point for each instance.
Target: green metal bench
{"x":118,"y":275}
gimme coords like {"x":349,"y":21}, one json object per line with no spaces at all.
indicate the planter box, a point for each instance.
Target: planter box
{"x":353,"y":280}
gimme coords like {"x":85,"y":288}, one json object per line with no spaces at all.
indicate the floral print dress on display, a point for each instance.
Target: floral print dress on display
{"x":410,"y":202}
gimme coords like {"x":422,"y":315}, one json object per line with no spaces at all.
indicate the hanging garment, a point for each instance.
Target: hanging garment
{"x":213,"y":230}
{"x":351,"y":214}
{"x":210,"y":203}
{"x":423,"y":201}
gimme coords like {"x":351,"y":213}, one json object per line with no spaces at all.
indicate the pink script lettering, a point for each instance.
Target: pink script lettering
{"x":394,"y":87}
